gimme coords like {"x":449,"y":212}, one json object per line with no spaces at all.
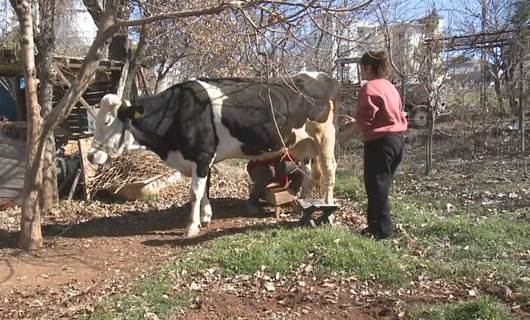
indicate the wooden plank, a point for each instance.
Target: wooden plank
{"x":11,"y":171}
{"x":11,"y":70}
{"x":8,"y":164}
{"x":11,"y":179}
{"x":315,"y":203}
{"x":64,"y":80}
{"x":10,"y":193}
{"x":77,"y":119}
{"x":88,"y":171}
{"x":16,"y":183}
{"x":11,"y":151}
{"x":75,"y":123}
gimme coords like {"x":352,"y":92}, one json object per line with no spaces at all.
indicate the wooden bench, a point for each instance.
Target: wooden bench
{"x":278,"y":196}
{"x":308,"y":207}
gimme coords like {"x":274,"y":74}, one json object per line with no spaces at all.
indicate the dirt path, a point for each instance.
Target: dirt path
{"x":94,"y":250}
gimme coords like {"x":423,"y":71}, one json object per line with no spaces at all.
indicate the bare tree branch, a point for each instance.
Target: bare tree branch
{"x":178,"y":14}
{"x":95,"y":10}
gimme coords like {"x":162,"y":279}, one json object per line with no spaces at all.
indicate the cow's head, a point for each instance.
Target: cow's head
{"x":317,"y":90}
{"x":317,"y":85}
{"x":112,"y":135}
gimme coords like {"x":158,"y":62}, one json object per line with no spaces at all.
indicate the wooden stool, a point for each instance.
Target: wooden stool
{"x":278,"y":196}
{"x":309,"y":206}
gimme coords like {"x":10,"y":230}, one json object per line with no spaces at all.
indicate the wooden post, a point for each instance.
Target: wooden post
{"x":86,"y":168}
{"x":74,"y":184}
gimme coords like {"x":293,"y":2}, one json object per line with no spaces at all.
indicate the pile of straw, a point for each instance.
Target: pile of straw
{"x":130,"y":167}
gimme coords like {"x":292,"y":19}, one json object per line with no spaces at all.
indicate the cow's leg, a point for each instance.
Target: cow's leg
{"x":206,"y":208}
{"x":326,"y":152}
{"x":199,"y":179}
{"x":206,"y":211}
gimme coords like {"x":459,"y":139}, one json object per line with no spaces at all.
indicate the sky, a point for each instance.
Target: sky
{"x":452,"y":11}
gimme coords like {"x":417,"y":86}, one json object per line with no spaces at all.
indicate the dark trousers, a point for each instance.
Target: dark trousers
{"x":381,"y":158}
{"x":263,"y":175}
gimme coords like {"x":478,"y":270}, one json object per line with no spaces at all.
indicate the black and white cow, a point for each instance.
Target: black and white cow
{"x":194,"y":124}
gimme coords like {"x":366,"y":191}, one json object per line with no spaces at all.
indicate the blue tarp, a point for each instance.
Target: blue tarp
{"x":8,"y":106}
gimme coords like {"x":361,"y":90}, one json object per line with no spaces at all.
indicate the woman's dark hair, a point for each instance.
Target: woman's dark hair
{"x":378,"y":61}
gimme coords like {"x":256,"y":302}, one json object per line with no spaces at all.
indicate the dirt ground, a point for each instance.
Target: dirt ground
{"x":93,"y":250}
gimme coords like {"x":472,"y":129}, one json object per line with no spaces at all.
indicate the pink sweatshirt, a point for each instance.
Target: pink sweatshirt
{"x":379,"y":110}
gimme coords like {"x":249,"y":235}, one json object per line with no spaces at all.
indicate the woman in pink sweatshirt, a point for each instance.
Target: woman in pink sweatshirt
{"x":381,"y":119}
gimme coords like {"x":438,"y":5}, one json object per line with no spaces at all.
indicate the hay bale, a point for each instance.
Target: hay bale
{"x":134,"y":170}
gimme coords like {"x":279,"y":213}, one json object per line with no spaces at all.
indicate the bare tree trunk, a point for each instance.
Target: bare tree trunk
{"x":522,"y":102}
{"x":119,"y":44}
{"x":134,"y":64}
{"x":30,"y":229}
{"x":46,"y":47}
{"x":428,"y":148}
{"x":498,"y":94}
{"x":162,"y":73}
{"x":30,"y":233}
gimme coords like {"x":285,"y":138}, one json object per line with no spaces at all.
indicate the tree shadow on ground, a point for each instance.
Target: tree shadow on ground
{"x":208,"y":235}
{"x":136,"y":222}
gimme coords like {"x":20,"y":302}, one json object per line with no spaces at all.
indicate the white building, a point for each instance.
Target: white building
{"x":7,"y":18}
{"x":75,"y":29}
{"x":362,"y":36}
{"x":464,"y":74}
{"x":407,"y":42}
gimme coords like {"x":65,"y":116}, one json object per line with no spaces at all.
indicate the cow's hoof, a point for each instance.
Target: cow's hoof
{"x":206,"y":218}
{"x":191,"y":232}
{"x":205,"y":221}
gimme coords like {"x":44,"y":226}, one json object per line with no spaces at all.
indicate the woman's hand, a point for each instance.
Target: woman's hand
{"x":350,"y":128}
{"x":347,"y":120}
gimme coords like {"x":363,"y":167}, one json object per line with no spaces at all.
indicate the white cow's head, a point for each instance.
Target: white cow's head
{"x":112,"y":135}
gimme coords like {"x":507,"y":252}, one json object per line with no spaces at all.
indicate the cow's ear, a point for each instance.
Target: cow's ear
{"x":138,"y":112}
{"x":128,"y":112}
{"x":125,"y":112}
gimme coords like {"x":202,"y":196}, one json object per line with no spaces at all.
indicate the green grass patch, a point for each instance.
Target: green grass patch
{"x":329,"y":250}
{"x":464,"y":245}
{"x":478,"y":309}
{"x":152,"y":296}
{"x":350,"y":185}
{"x":461,"y":243}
